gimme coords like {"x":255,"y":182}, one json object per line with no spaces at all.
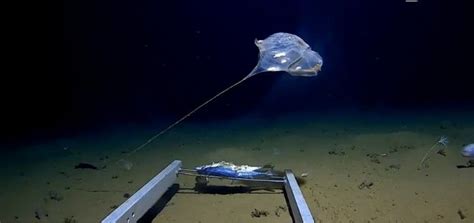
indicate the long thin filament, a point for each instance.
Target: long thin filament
{"x":150,"y":140}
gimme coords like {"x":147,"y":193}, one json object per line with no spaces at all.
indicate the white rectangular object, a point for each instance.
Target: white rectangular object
{"x":140,"y":202}
{"x":299,"y":208}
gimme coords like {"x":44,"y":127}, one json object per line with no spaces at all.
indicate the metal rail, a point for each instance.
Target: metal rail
{"x":139,"y":203}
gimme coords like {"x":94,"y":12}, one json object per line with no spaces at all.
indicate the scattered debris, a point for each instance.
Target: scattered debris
{"x":85,"y":166}
{"x":374,"y":157}
{"x":395,"y":166}
{"x":365,"y":184}
{"x":256,"y":148}
{"x":56,"y":196}
{"x":259,"y":213}
{"x":461,"y":214}
{"x":336,"y":153}
{"x":393,"y":150}
{"x":399,"y":148}
{"x":441,"y":152}
{"x":70,"y":220}
{"x":279,"y":209}
{"x":40,"y":213}
{"x":469,"y":164}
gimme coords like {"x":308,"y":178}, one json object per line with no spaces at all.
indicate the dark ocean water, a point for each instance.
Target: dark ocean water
{"x":112,"y":63}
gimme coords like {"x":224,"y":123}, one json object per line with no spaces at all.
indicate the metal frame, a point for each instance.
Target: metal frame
{"x":143,"y":200}
{"x":139,"y":203}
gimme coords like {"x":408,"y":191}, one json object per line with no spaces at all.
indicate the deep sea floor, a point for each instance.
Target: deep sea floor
{"x":340,"y":153}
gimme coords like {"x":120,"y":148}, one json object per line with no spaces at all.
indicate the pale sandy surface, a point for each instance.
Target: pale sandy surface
{"x":301,"y":143}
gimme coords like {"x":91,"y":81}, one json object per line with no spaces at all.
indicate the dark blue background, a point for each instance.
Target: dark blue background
{"x":113,"y":62}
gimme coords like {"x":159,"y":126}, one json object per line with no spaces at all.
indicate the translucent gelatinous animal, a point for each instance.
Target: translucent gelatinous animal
{"x":468,"y":151}
{"x":289,"y":53}
{"x":278,"y":52}
{"x":443,"y":140}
